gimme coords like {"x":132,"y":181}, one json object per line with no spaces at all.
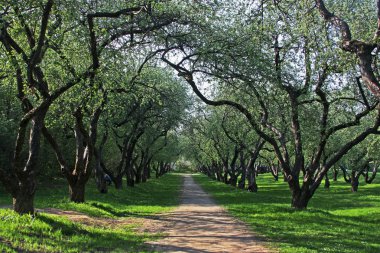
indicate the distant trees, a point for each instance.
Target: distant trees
{"x":143,"y":122}
{"x":361,"y":162}
{"x":224,"y":147}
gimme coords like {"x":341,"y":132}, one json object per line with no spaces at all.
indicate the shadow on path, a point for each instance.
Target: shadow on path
{"x":200,"y":225}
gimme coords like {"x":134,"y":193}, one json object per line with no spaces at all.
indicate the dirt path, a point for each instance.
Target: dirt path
{"x":200,"y":225}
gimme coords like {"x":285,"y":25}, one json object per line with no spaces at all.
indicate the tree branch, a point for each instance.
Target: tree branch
{"x":362,"y":50}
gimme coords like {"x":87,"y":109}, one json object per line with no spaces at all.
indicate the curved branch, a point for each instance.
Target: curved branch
{"x":335,"y":20}
{"x":342,"y":151}
{"x":189,"y":78}
{"x":362,"y":49}
{"x":37,"y":54}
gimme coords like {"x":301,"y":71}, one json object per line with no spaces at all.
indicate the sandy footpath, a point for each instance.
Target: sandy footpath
{"x":200,"y":225}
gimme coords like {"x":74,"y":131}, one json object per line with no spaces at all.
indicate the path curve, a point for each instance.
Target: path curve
{"x":200,"y":225}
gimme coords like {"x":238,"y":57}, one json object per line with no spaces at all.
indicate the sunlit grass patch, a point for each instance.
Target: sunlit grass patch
{"x":53,"y":233}
{"x":50,"y":233}
{"x":157,"y":195}
{"x":335,"y":221}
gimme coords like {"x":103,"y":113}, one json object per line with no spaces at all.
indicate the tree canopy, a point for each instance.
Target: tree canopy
{"x":119,"y":90}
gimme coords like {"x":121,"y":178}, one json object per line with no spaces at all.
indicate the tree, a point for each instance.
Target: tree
{"x":38,"y":40}
{"x":294,"y":89}
{"x":143,"y":118}
{"x":28,"y":52}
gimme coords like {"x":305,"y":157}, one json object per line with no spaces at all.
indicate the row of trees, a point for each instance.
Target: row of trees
{"x":281,"y":65}
{"x":229,"y":151}
{"x":77,"y":76}
{"x":289,"y":84}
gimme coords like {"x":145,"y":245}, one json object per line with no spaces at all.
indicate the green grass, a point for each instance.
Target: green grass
{"x":51,"y":233}
{"x":336,"y":220}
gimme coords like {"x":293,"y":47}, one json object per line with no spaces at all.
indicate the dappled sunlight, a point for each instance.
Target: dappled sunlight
{"x":120,"y":221}
{"x":336,"y":220}
{"x":200,"y":225}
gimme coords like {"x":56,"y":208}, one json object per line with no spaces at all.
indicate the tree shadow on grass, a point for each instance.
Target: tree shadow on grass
{"x":84,"y":238}
{"x":335,"y":221}
{"x":115,"y":212}
{"x":314,"y":229}
{"x":339,"y":197}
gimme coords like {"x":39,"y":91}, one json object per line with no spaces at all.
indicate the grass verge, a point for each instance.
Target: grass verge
{"x":335,"y":221}
{"x":52,"y":233}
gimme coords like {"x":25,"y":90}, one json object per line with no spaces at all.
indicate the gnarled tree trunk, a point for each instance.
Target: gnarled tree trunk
{"x":80,"y":173}
{"x":252,"y":185}
{"x":300,"y":199}
{"x":23,"y":178}
{"x":23,"y":201}
{"x":77,"y":191}
{"x":367,"y":178}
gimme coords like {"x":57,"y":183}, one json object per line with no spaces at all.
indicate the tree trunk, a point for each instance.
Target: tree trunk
{"x":368,"y":179}
{"x":218,"y":175}
{"x":327,"y":182}
{"x":345,"y":176}
{"x":118,"y":182}
{"x":130,"y":177}
{"x":99,"y":169}
{"x":146,"y":173}
{"x":225,"y":173}
{"x":77,"y":192}
{"x":274,"y":171}
{"x":101,"y":183}
{"x":138,"y":175}
{"x":252,"y":185}
{"x":241,"y":184}
{"x":25,"y":188}
{"x":251,"y":170}
{"x":335,"y":175}
{"x":300,"y":199}
{"x":23,"y":202}
{"x":354,"y":183}
{"x":157,"y":174}
{"x":233,"y":180}
{"x":211,"y":171}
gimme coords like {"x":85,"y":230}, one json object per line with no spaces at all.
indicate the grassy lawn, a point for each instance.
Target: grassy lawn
{"x":336,"y":220}
{"x":52,"y":233}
